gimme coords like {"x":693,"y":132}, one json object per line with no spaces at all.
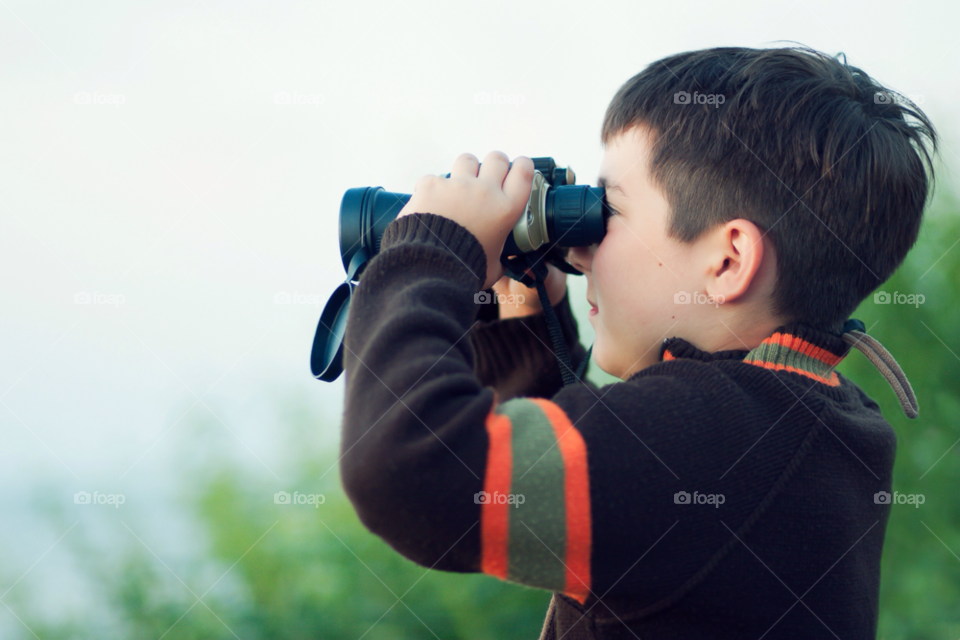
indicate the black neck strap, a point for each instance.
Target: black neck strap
{"x":516,"y":268}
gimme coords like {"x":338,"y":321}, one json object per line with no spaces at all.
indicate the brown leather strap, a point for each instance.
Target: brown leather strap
{"x":885,"y":362}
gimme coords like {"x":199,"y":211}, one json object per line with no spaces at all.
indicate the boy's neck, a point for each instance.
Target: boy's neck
{"x":733,"y":334}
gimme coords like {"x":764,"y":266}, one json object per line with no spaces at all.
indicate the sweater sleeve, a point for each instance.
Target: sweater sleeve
{"x":515,"y":356}
{"x":565,"y":493}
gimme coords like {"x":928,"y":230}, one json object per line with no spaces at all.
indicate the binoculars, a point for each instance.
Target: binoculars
{"x":559,"y":214}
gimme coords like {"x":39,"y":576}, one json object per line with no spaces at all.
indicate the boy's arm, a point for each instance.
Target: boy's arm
{"x":423,"y":439}
{"x":562,"y":494}
{"x":515,"y":355}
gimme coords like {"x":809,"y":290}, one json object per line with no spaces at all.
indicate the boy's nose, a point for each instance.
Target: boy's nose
{"x":581,"y":257}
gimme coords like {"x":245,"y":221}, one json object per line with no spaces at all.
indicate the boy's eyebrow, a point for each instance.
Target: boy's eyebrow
{"x":603,"y":183}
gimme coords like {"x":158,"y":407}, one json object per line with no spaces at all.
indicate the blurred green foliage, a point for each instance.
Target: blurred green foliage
{"x":274,"y":571}
{"x":269,"y":571}
{"x":920,"y":579}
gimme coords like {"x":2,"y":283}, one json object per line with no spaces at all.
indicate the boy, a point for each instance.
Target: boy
{"x":726,"y":488}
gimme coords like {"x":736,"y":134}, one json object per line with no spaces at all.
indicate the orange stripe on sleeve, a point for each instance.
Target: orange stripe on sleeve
{"x":494,"y":530}
{"x":577,"y":500}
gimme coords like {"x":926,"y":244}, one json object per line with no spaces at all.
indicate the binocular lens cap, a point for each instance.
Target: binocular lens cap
{"x":326,"y":358}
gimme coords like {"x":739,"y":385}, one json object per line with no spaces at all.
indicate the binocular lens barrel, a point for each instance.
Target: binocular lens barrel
{"x":365,"y":213}
{"x":574,"y":216}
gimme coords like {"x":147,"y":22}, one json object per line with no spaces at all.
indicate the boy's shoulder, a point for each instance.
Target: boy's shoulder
{"x":803,"y":358}
{"x":788,"y":380}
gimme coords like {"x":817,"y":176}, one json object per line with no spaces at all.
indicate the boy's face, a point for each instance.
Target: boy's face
{"x":635,"y":272}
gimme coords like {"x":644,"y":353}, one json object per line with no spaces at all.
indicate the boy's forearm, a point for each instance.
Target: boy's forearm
{"x":414,"y":411}
{"x":516,"y":355}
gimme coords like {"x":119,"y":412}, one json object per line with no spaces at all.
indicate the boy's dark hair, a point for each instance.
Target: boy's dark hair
{"x":828,"y":163}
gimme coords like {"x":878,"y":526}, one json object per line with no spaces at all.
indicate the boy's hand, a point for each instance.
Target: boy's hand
{"x":556,"y":284}
{"x":488,"y":204}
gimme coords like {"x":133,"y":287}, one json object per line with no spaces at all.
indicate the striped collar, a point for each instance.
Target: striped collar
{"x":794,"y":347}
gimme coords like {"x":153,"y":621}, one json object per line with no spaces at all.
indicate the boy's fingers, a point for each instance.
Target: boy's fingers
{"x":494,"y":168}
{"x":465,"y":166}
{"x":519,"y":182}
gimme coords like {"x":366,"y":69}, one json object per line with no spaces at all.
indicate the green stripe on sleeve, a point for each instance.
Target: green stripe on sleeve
{"x":537,"y":526}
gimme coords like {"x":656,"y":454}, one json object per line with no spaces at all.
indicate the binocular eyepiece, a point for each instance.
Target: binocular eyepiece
{"x":559,"y":215}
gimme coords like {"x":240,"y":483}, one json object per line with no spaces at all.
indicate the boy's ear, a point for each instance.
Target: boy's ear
{"x":736,"y":258}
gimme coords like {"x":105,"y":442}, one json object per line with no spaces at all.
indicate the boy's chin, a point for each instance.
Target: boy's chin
{"x":601,"y":356}
{"x":610,"y":359}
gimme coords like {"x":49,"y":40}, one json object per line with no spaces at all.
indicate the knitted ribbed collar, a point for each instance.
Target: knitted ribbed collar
{"x":799,"y":348}
{"x":795,"y":347}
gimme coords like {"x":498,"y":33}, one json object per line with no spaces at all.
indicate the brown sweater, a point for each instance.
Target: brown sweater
{"x":711,"y":495}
